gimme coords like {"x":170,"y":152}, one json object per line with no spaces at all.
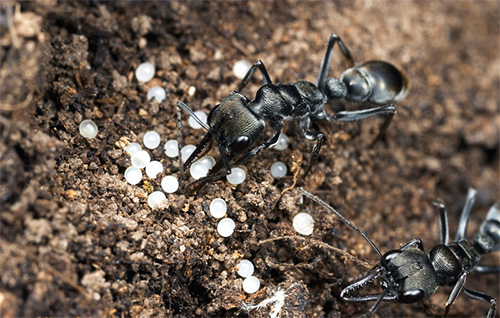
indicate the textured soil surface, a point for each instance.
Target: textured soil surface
{"x":78,"y":240}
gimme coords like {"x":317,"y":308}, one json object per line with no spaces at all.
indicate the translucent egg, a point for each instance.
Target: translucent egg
{"x":303,"y":223}
{"x":241,"y":68}
{"x":237,"y":176}
{"x":153,"y":168}
{"x":145,"y":72}
{"x":140,"y":159}
{"x":193,"y":123}
{"x":133,"y":175}
{"x":156,"y":198}
{"x":198,"y":170}
{"x":278,"y":169}
{"x":186,"y":151}
{"x":251,"y":284}
{"x":172,"y":148}
{"x":151,"y":139}
{"x":169,"y":184}
{"x":245,"y":268}
{"x":226,"y":227}
{"x":157,"y":93}
{"x":88,"y":129}
{"x":133,"y":148}
{"x":208,"y":161}
{"x":282,"y":143}
{"x":218,"y":208}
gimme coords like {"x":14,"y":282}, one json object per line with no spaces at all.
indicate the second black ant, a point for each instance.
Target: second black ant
{"x":409,"y":275}
{"x":237,"y":123}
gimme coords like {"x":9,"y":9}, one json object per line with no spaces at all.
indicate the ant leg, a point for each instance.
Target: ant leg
{"x":320,"y":137}
{"x":415,"y":242}
{"x":355,"y":115}
{"x":273,"y":140}
{"x":482,"y":269}
{"x":459,"y":285}
{"x":482,"y":296}
{"x":265,"y":74}
{"x":203,"y":143}
{"x":464,"y":218}
{"x":324,"y":69}
{"x":444,"y":233}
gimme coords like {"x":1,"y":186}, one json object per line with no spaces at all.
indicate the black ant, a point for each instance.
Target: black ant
{"x":409,"y":275}
{"x":237,"y":123}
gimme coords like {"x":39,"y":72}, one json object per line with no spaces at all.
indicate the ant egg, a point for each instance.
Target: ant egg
{"x":218,"y":208}
{"x":156,"y":198}
{"x":157,"y":93}
{"x":303,"y":223}
{"x":208,"y":161}
{"x":193,"y":123}
{"x":171,"y":148}
{"x":151,"y":139}
{"x":282,"y":143}
{"x":133,"y":175}
{"x":154,"y":168}
{"x":278,"y":169}
{"x":133,"y":148}
{"x":225,"y":227}
{"x":169,"y":184}
{"x":88,"y":129}
{"x":237,"y":176}
{"x":186,"y":151}
{"x":241,"y":68}
{"x":245,"y":268}
{"x":198,"y":170}
{"x":140,"y":159}
{"x":145,"y":72}
{"x":251,"y":284}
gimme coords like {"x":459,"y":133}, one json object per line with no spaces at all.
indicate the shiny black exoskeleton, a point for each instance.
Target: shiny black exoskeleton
{"x":237,"y":123}
{"x":409,"y":275}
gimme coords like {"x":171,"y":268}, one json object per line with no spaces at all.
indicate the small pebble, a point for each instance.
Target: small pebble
{"x":153,"y":168}
{"x":237,"y":176}
{"x":208,"y":161}
{"x":171,"y":148}
{"x":226,"y":227}
{"x":278,"y":169}
{"x":140,"y":159}
{"x":133,"y":148}
{"x":156,"y":198}
{"x":193,"y":123}
{"x":251,"y":284}
{"x":241,"y":68}
{"x":245,"y":268}
{"x":157,"y":93}
{"x":303,"y":223}
{"x":88,"y":129}
{"x":282,"y":143}
{"x":198,"y":170}
{"x":169,"y":184}
{"x":218,"y":208}
{"x":151,"y":139}
{"x":186,"y":151}
{"x":145,"y":72}
{"x":133,"y":175}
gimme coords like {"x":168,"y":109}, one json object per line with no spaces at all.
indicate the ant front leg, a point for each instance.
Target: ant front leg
{"x":262,"y":68}
{"x":387,"y":110}
{"x":324,"y":70}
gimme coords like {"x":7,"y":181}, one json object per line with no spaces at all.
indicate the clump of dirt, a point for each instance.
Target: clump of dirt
{"x":78,"y":240}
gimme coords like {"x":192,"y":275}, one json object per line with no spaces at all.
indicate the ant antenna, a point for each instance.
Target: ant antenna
{"x":323,"y":203}
{"x":190,"y":112}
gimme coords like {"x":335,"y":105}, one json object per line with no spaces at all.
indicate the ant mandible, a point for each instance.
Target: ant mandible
{"x":409,"y":275}
{"x":237,"y":123}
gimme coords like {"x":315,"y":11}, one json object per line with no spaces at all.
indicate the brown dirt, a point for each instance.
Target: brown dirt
{"x":77,"y":240}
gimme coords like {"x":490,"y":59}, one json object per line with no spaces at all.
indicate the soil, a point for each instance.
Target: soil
{"x":78,"y":240}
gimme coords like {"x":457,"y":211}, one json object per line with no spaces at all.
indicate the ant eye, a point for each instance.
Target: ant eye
{"x":411,"y":295}
{"x":390,"y":256}
{"x":239,"y":145}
